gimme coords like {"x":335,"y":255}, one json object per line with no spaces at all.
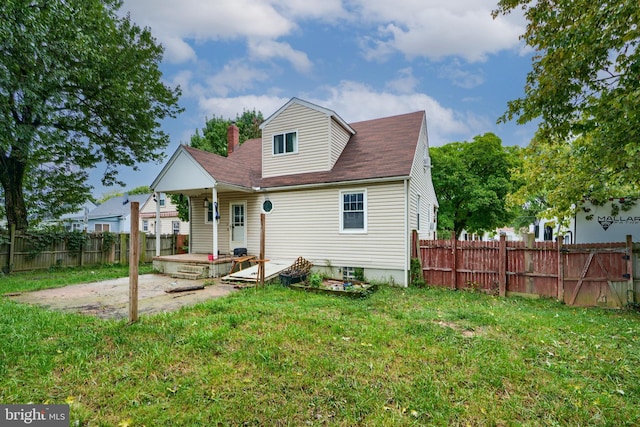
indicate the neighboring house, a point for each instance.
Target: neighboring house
{"x":344,"y":196}
{"x":509,"y":233}
{"x":74,"y":221}
{"x":611,"y":222}
{"x":548,"y":230}
{"x":169,"y":221}
{"x":114,"y":215}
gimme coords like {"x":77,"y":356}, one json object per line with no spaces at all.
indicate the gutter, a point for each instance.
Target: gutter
{"x":332,"y":184}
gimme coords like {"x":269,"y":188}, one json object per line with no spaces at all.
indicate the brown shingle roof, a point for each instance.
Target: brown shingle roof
{"x":381,"y":148}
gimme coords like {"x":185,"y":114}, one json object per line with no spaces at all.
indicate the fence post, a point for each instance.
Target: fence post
{"x":12,"y":248}
{"x":82,"y":244}
{"x":630,"y":284}
{"x":528,"y":263}
{"x":560,"y":271}
{"x":502,"y":267}
{"x":123,"y":248}
{"x":454,"y":263}
{"x":143,"y":246}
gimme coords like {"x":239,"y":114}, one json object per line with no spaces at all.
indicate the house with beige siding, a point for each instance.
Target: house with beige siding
{"x":159,"y":215}
{"x":345,"y":196}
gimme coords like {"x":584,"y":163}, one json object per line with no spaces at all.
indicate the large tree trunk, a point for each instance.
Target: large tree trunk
{"x":11,"y":177}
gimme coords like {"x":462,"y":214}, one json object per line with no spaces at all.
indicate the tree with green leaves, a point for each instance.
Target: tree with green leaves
{"x":585,"y":91}
{"x":214,"y":140}
{"x":472,"y":181}
{"x":214,"y":132}
{"x":79,"y":87}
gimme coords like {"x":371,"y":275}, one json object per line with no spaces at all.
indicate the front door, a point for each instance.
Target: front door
{"x":238,"y":232}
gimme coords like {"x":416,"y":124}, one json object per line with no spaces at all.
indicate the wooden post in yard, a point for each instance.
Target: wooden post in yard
{"x":261,"y":256}
{"x":133,"y":262}
{"x":502,"y":267}
{"x":560,"y":271}
{"x":454,"y":263}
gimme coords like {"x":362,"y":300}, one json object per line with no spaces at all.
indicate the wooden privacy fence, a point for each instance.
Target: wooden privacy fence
{"x":583,"y":275}
{"x":20,"y":253}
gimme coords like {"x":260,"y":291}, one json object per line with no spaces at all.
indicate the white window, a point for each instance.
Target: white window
{"x":353,"y":211}
{"x":145,"y":225}
{"x":284,"y":143}
{"x":163,"y":199}
{"x":175,"y":226}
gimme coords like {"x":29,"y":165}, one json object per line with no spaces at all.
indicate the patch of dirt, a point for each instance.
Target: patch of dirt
{"x":110,"y":299}
{"x":467,"y":333}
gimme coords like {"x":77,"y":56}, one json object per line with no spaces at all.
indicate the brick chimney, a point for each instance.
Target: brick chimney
{"x":233,"y":138}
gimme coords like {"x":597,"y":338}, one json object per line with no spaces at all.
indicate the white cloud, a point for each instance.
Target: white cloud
{"x":268,"y":49}
{"x":203,"y":20}
{"x":405,"y":83}
{"x":460,"y":77}
{"x":426,"y":28}
{"x":235,"y":76}
{"x":315,"y":9}
{"x":436,"y":29}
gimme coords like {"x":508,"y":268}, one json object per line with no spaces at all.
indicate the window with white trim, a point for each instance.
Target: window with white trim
{"x":285,"y":143}
{"x":175,"y":226}
{"x":163,"y":199}
{"x":145,"y":225}
{"x":353,"y":211}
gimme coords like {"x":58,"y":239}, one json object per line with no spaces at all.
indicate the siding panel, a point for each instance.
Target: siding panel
{"x":313,"y":142}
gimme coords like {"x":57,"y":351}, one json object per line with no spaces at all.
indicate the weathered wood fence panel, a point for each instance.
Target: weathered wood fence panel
{"x":597,"y":275}
{"x":477,"y":265}
{"x":584,"y":275}
{"x":24,"y":255}
{"x":532,"y":268}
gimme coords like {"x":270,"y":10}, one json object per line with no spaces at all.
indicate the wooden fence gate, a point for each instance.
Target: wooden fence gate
{"x":599,"y":275}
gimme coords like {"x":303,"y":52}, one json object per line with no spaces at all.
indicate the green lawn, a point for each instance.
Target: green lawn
{"x":276,"y":356}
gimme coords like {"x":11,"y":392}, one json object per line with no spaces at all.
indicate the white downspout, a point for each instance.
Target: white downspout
{"x":157,"y":225}
{"x":407,"y":239}
{"x":214,"y":200}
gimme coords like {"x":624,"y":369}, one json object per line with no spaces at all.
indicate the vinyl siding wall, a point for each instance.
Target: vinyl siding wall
{"x":313,"y":139}
{"x":339,"y":139}
{"x":307,"y":223}
{"x":422,"y":185}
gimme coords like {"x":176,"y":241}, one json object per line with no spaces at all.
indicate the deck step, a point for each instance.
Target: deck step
{"x":186,"y":268}
{"x":187,"y":275}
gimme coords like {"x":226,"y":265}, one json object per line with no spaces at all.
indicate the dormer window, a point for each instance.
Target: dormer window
{"x":285,"y":143}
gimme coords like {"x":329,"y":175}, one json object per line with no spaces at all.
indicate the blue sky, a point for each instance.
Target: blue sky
{"x":364,"y":59}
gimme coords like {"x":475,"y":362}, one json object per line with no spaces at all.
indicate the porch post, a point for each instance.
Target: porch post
{"x":214,"y":199}
{"x":157,"y":224}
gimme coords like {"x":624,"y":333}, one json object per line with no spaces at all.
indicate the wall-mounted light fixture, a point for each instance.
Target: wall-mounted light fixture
{"x":206,"y":202}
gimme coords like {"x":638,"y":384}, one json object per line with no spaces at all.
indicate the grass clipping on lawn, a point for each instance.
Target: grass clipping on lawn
{"x":270,"y":356}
